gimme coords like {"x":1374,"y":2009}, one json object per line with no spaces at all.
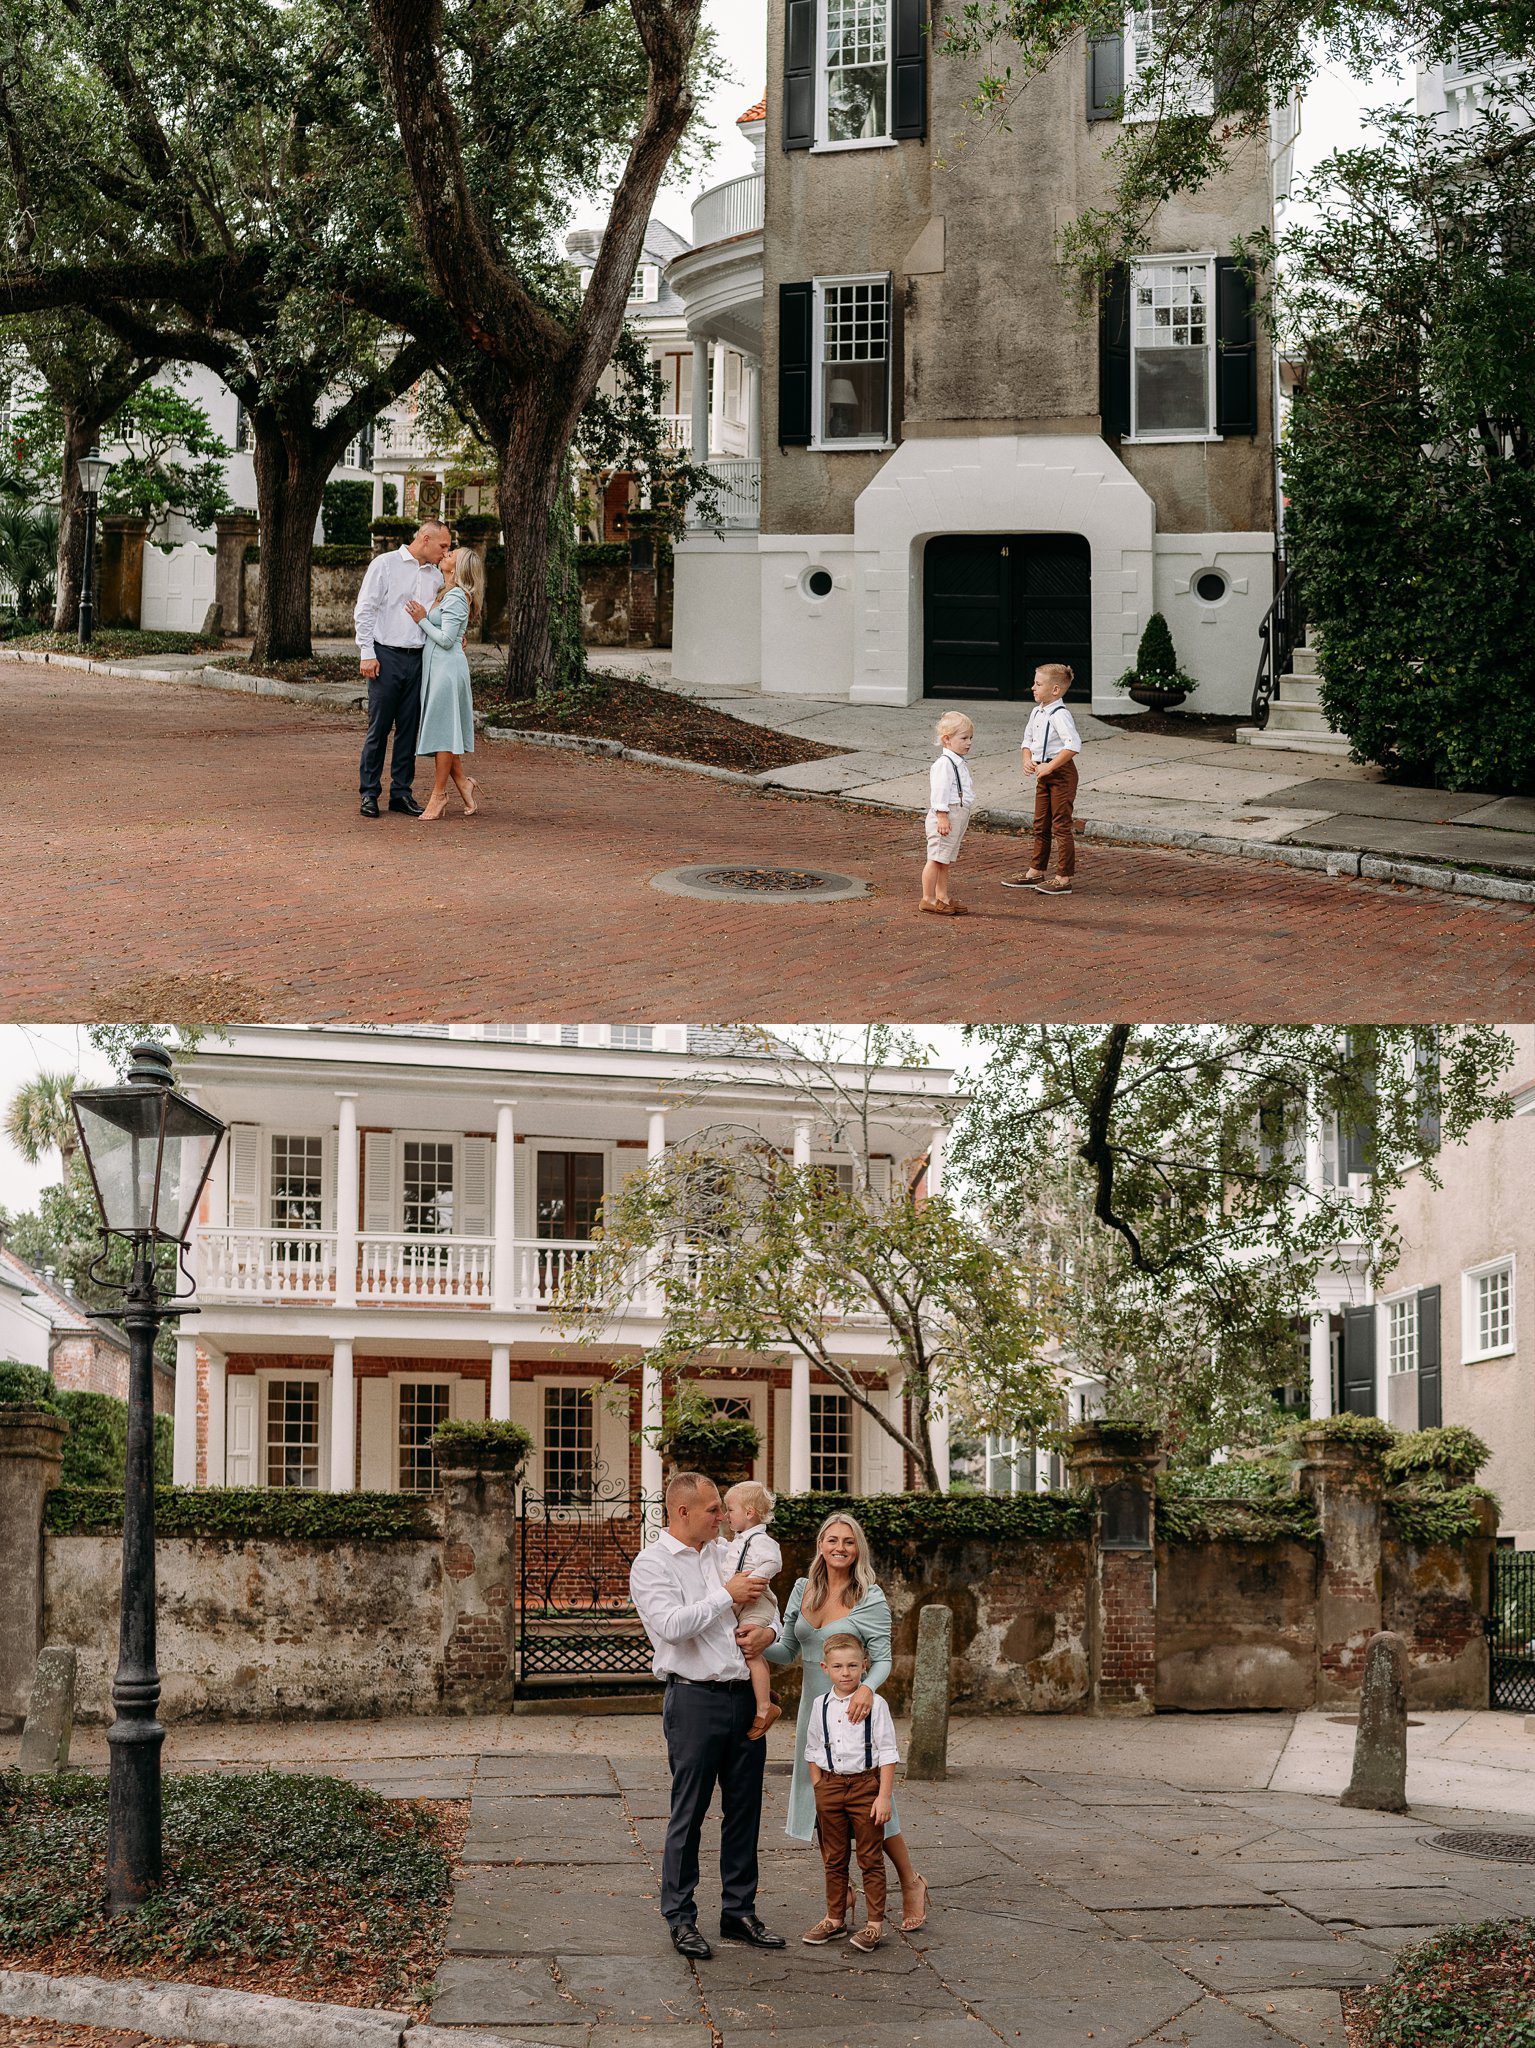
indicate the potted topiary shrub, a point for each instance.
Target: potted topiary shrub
{"x":696,"y":1437}
{"x":1156,"y":680}
{"x":481,"y":1446}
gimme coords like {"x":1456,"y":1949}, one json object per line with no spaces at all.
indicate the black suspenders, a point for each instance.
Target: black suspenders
{"x":868,"y":1733}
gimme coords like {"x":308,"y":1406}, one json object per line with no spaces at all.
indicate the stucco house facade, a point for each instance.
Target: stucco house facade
{"x":384,"y":1236}
{"x":964,"y":471}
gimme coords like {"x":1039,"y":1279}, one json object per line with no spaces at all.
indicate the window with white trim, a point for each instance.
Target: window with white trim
{"x":1182,"y":88}
{"x":1489,"y":1310}
{"x":1402,"y":1334}
{"x":428,"y":1185}
{"x":854,"y":97}
{"x":646,"y":284}
{"x":831,"y":1443}
{"x":852,"y":362}
{"x":293,"y":1434}
{"x":423,"y":1405}
{"x":567,"y":1444}
{"x":632,"y":1037}
{"x":1010,"y":1465}
{"x":1172,"y":340}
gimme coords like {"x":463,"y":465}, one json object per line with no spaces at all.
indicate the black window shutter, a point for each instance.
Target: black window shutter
{"x":909,"y":56}
{"x":1236,"y":342}
{"x":1105,"y":76}
{"x":1430,"y":1382}
{"x":795,"y":303}
{"x":799,"y":73}
{"x":1114,"y":351}
{"x":1359,"y":1361}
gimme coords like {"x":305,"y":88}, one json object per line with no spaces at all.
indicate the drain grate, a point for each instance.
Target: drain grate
{"x":767,"y":881}
{"x":754,"y":884}
{"x":1485,"y":1842}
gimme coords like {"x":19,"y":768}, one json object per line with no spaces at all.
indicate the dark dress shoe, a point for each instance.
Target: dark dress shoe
{"x":407,"y":804}
{"x":369,"y":807}
{"x":748,"y":1928}
{"x":687,"y":1941}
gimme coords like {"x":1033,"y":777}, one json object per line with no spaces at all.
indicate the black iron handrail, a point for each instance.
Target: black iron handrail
{"x":1281,"y":632}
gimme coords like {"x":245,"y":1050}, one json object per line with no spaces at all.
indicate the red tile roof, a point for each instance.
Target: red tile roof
{"x":756,"y":113}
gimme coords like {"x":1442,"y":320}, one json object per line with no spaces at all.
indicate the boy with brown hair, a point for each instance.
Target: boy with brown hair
{"x":1051,"y":744}
{"x":852,"y":1767}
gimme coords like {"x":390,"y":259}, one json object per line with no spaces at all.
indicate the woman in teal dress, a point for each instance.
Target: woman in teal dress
{"x":447,"y":704}
{"x":840,"y":1598}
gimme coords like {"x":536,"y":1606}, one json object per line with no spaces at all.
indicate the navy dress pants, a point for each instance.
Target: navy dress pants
{"x":394,"y":703}
{"x":706,"y":1745}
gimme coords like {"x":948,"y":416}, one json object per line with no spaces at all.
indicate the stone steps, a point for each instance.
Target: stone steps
{"x":1297,"y":723}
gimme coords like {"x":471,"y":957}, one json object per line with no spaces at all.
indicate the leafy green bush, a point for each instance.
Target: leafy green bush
{"x":96,"y":1449}
{"x":239,"y":1514}
{"x":391,"y":500}
{"x":482,"y":1446}
{"x":1184,"y":1519}
{"x":1156,"y":665}
{"x":1452,"y":1454}
{"x":389,"y":528}
{"x":891,"y":1518}
{"x":345,"y":510}
{"x":26,"y":1386}
{"x":1472,"y":1987}
{"x":696,"y":1437}
{"x":1238,"y":1479}
{"x":600,"y":554}
{"x":1422,"y":1515}
{"x":1367,"y":1433}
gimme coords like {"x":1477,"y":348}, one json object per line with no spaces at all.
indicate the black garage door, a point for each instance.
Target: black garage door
{"x":995,"y":605}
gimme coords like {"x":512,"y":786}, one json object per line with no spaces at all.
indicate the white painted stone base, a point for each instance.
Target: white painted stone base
{"x":807,"y":640}
{"x":717,"y":609}
{"x":1217,"y":643}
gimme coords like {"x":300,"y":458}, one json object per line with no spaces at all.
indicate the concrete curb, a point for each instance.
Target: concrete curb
{"x":1341,"y":862}
{"x":243,"y":2019}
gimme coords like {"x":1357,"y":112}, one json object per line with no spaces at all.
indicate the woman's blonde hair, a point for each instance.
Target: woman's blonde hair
{"x":952,"y":721}
{"x":469,"y":573}
{"x":818,"y":1584}
{"x":1059,"y":672}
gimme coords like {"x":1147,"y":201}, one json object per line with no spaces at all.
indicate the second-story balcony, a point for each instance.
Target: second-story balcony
{"x":728,"y":210}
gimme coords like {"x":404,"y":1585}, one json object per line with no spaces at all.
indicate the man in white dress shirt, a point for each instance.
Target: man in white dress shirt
{"x":689,"y":1615}
{"x":389,"y":644}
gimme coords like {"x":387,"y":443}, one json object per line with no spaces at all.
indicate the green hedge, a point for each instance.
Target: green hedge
{"x":349,"y":556}
{"x":601,"y":554}
{"x":345,"y":510}
{"x":96,"y":1449}
{"x":1422,"y":1515}
{"x":238,"y":1513}
{"x":1241,"y":1479}
{"x":890,"y":1518}
{"x":26,"y":1386}
{"x":1452,"y":1455}
{"x":1190,"y":1519}
{"x":483,"y":1446}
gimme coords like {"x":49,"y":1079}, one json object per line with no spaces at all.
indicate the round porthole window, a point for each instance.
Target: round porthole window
{"x":1210,"y":586}
{"x":817,"y":583}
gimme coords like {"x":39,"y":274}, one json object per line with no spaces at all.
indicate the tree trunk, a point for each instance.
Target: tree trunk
{"x":80,"y":431}
{"x":291,"y":470}
{"x":543,"y":633}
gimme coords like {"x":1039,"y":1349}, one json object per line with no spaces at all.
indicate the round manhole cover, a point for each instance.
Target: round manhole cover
{"x":1499,"y":1848}
{"x":745,"y":883}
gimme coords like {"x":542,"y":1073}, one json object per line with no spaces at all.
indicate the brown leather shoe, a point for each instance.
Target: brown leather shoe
{"x":763,"y":1722}
{"x":868,"y":1937}
{"x":823,"y":1932}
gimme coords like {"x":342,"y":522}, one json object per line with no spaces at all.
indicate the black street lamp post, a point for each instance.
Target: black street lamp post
{"x":93,"y":473}
{"x":149,"y":1151}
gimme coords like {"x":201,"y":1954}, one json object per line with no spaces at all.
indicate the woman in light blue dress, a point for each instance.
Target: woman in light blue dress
{"x":840,"y":1598}
{"x":447,"y":703}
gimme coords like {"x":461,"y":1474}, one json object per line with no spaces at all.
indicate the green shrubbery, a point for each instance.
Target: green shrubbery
{"x":1473,"y":1987}
{"x":1156,"y":665}
{"x":26,"y":1386}
{"x":1451,"y":1456}
{"x":95,"y":1450}
{"x":482,"y":1446}
{"x":891,"y":1518}
{"x":345,"y":510}
{"x":241,"y":1513}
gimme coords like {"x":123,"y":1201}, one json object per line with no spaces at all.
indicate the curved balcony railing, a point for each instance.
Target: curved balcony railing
{"x":728,"y":210}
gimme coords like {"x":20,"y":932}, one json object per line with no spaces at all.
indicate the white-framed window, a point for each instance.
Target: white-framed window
{"x":293,"y":1433}
{"x":1010,"y":1465}
{"x":831,"y":1442}
{"x":853,"y":76}
{"x":1183,"y":90}
{"x":1488,"y":1310}
{"x":646,"y":285}
{"x":852,"y":362}
{"x":296,"y":1192}
{"x":1402,"y":1334}
{"x":420,"y":1406}
{"x":568,"y":1445}
{"x":632,"y":1037}
{"x":1172,"y":343}
{"x":426,"y":1166}
{"x":733,"y":411}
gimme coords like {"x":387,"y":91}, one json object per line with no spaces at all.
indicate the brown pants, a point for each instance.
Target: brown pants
{"x":844,"y":1808}
{"x":1053,"y":799}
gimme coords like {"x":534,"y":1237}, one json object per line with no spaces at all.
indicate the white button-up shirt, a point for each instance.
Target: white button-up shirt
{"x":380,"y":615}
{"x":949,"y":787}
{"x":851,"y":1749}
{"x":1050,"y":731}
{"x":688,"y":1615}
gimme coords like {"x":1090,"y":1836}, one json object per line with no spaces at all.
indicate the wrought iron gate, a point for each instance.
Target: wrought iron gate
{"x":575,"y":1618}
{"x":1512,"y":1630}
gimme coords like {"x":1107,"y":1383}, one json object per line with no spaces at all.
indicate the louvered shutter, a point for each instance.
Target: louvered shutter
{"x":1236,"y":346}
{"x":378,"y":1211}
{"x":1430,"y":1354}
{"x":781,"y":1411}
{"x":242,"y":1422}
{"x":1105,"y":76}
{"x":474,"y":1195}
{"x":880,"y":1466}
{"x":796,"y":304}
{"x":909,"y":59}
{"x":1359,"y":1361}
{"x":468,"y":1400}
{"x":1114,"y":352}
{"x":525,"y":1414}
{"x":379,"y":1469}
{"x":799,"y":40}
{"x":245,"y":1143}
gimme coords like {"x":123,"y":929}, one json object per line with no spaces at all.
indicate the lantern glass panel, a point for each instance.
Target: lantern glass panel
{"x":149,"y":1153}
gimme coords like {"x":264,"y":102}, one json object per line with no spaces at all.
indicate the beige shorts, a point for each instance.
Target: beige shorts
{"x":946,"y":848}
{"x":760,"y":1613}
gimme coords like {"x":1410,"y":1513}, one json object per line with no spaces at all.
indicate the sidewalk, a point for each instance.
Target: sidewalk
{"x":1183,"y":1881}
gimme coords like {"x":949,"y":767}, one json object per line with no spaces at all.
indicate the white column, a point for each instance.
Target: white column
{"x":651,"y":1476}
{"x":700,"y":449}
{"x":938,"y":1423}
{"x":753,"y":410}
{"x":184,"y":1447}
{"x":346,"y":1200}
{"x":1321,"y":1364}
{"x":343,"y":1417}
{"x":799,"y":1371}
{"x":218,"y":1422}
{"x":500,"y":1382}
{"x":378,"y":496}
{"x":504,"y":1274}
{"x":655,"y":1135}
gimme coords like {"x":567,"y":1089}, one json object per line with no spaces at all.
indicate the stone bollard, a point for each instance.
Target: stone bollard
{"x":928,"y":1755}
{"x":31,"y":1445}
{"x":1380,"y":1748}
{"x":51,"y":1716}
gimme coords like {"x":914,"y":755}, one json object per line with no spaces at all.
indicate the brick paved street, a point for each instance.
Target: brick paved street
{"x":173,"y":847}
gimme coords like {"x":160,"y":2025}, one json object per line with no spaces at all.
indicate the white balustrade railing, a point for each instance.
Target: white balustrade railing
{"x":235,"y":1265}
{"x":677,"y":427}
{"x":726,"y":210}
{"x":738,"y":479}
{"x":441,"y":1269}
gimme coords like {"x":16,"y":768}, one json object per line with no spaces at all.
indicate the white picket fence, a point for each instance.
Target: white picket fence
{"x":179,"y":585}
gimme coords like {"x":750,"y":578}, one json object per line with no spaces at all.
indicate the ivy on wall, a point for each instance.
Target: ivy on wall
{"x":939,"y":1518}
{"x":239,"y":1513}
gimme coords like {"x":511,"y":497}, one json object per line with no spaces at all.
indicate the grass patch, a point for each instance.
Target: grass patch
{"x":119,"y":643}
{"x":655,"y":721}
{"x":301,"y":1886}
{"x":1473,"y":1987}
